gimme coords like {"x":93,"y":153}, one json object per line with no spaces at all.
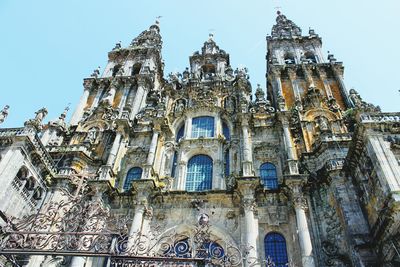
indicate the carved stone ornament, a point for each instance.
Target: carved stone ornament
{"x":4,"y":113}
{"x":360,"y":104}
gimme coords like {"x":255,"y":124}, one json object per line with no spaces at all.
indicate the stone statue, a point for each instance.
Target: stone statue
{"x":96,"y":73}
{"x":323,"y":124}
{"x":180,"y":105}
{"x":40,"y":114}
{"x":4,"y":113}
{"x":355,"y":98}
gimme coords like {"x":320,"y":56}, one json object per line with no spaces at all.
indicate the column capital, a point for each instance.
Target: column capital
{"x":143,"y":188}
{"x":296,"y":191}
{"x":246,"y":186}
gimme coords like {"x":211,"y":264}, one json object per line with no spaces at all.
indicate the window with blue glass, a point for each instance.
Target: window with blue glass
{"x":133,"y":174}
{"x":225,"y":131}
{"x":227,"y":167}
{"x":180,"y":133}
{"x":268,"y":175}
{"x":174,"y":163}
{"x":275,"y":249}
{"x":199,"y":173}
{"x":203,"y":127}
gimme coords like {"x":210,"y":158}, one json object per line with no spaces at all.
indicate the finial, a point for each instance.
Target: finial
{"x":278,"y":11}
{"x":4,"y":113}
{"x":211,"y":34}
{"x":158,"y":20}
{"x":96,"y":72}
{"x":64,"y":114}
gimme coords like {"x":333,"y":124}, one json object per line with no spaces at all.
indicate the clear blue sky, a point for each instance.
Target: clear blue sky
{"x":47,"y":47}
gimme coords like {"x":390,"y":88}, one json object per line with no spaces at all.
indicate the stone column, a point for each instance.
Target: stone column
{"x":78,"y":261}
{"x":300,"y":205}
{"x":246,"y":188}
{"x":247,"y":151}
{"x":77,"y":116}
{"x":292,"y":77}
{"x":290,"y":150}
{"x":151,"y":155}
{"x":143,"y":190}
{"x":137,"y":102}
{"x":338,"y":74}
{"x":322,"y":75}
{"x":308,"y":75}
{"x":280,"y":101}
{"x":181,"y":181}
{"x":114,"y":149}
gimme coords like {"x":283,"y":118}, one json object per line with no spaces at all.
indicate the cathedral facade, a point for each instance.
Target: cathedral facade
{"x":192,"y":169}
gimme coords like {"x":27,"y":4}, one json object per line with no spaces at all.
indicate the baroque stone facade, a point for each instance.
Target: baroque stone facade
{"x":189,"y":169}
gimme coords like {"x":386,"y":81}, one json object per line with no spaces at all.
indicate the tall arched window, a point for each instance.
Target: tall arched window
{"x":133,"y":174}
{"x":174,"y":163}
{"x":203,"y":127}
{"x":180,"y":133}
{"x":275,"y":249}
{"x":268,"y":175}
{"x":226,"y":163}
{"x":199,"y":173}
{"x":225,"y":131}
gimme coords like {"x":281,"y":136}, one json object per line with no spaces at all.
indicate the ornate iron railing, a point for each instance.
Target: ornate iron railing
{"x":78,"y":226}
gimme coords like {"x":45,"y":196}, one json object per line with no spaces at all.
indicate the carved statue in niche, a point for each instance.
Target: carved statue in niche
{"x":229,"y":104}
{"x":323,"y":124}
{"x":180,"y":105}
{"x":186,"y":76}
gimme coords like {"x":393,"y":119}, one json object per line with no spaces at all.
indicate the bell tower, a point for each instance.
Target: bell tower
{"x":302,"y":85}
{"x":100,"y":126}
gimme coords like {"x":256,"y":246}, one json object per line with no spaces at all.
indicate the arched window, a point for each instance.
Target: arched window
{"x":275,"y":249}
{"x":136,"y":68}
{"x":203,"y":127}
{"x":289,"y":58}
{"x":115,"y":70}
{"x":225,"y":131}
{"x":268,"y":175}
{"x":310,"y":57}
{"x":227,"y":167}
{"x":180,"y":133}
{"x":174,"y":163}
{"x":133,"y":174}
{"x":199,"y":173}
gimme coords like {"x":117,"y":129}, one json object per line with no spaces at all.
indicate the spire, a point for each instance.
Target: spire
{"x":285,"y":28}
{"x":150,"y":38}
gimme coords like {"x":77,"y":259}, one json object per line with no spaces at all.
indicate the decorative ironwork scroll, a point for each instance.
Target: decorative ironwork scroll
{"x":84,"y":227}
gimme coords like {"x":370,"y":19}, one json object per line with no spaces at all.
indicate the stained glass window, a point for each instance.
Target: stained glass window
{"x":203,"y":127}
{"x":133,"y":174}
{"x":275,"y":249}
{"x":225,"y":131}
{"x":268,"y":175}
{"x":180,"y":133}
{"x":199,"y":173}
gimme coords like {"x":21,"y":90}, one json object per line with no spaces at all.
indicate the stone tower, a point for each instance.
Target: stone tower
{"x":192,"y":169}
